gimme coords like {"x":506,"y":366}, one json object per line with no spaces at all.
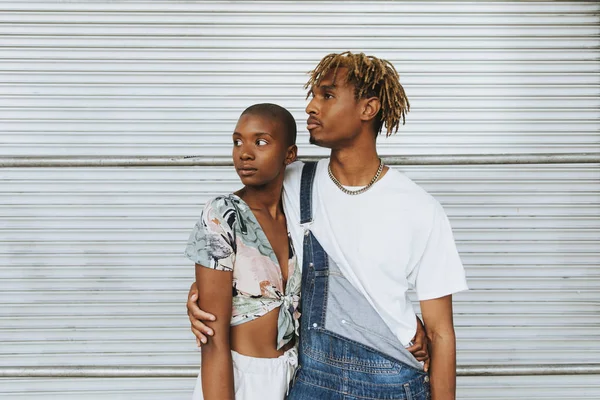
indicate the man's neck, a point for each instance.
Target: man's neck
{"x":356,"y":165}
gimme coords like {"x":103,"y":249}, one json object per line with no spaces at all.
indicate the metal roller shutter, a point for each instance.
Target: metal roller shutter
{"x":170,"y":78}
{"x":92,"y":280}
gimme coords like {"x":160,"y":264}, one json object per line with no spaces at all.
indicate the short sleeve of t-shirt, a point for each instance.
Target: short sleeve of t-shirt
{"x":291,"y":186}
{"x":291,"y":204}
{"x":212,"y":241}
{"x":439,"y":271}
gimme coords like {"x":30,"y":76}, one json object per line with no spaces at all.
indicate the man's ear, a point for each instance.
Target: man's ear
{"x":292,"y":154}
{"x":370,"y":108}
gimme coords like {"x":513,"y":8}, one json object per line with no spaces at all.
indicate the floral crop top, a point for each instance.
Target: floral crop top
{"x":228,"y":237}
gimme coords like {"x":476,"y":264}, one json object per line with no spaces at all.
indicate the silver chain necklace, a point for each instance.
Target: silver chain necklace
{"x":358,"y":191}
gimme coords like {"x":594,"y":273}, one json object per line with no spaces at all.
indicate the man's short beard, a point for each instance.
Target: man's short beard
{"x":320,"y":143}
{"x":316,"y":142}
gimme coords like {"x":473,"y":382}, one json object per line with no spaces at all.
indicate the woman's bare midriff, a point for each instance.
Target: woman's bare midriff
{"x":258,"y":338}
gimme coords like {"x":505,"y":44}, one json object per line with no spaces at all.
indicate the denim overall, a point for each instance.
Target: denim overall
{"x":346,"y":350}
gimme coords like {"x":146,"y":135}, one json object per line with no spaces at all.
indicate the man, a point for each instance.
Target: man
{"x":368,"y":234}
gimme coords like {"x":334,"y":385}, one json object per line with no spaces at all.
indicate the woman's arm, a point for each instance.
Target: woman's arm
{"x":214,"y":289}
{"x":437,"y":316}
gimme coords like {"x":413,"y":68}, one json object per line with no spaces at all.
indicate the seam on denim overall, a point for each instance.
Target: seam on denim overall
{"x":407,"y":391}
{"x":391,"y":367}
{"x":374,"y":385}
{"x":323,"y":274}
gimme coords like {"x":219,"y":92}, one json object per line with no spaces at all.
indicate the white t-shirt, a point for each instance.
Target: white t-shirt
{"x":390,"y":238}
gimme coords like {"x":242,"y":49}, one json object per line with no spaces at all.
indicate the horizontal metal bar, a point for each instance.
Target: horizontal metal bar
{"x":87,"y":371}
{"x":207,"y":161}
{"x":521,"y":370}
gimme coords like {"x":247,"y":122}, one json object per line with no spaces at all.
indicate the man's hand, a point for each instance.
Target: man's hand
{"x":196,"y":316}
{"x":420,"y":349}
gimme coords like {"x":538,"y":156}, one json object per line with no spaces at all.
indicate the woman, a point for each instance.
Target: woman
{"x":246,"y":269}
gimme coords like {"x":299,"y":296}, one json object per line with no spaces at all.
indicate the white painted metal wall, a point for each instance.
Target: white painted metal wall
{"x":91,"y":272}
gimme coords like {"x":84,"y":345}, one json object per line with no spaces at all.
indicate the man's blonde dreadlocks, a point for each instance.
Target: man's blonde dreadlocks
{"x":371,"y":76}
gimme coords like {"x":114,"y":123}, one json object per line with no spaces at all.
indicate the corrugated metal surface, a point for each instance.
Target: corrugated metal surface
{"x":170,"y":78}
{"x":91,"y":271}
{"x":97,"y":388}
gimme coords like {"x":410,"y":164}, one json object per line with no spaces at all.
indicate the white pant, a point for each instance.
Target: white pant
{"x":259,"y":378}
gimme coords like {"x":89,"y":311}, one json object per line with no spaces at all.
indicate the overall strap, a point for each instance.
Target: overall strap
{"x":306,"y":185}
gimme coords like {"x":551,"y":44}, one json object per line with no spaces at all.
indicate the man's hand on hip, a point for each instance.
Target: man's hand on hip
{"x":196,"y":316}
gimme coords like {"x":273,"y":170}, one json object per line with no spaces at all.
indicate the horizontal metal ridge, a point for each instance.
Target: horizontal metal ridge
{"x":159,"y":161}
{"x":87,"y":371}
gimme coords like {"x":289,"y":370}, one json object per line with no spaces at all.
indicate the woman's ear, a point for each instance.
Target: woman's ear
{"x":292,"y":154}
